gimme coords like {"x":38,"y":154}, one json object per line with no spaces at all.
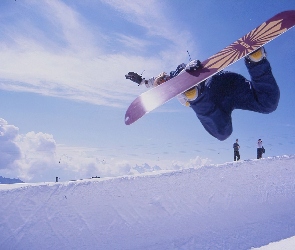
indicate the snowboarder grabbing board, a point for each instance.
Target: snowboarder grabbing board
{"x":212,"y":93}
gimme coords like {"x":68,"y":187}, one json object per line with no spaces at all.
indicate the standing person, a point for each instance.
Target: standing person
{"x":259,"y":149}
{"x":236,"y":147}
{"x":214,"y":99}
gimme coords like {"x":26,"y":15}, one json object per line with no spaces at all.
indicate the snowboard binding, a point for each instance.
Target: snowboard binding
{"x":193,"y":65}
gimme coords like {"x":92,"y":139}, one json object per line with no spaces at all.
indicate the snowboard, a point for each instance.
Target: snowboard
{"x":250,"y":42}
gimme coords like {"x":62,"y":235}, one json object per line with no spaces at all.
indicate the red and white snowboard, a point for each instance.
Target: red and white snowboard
{"x":253,"y":40}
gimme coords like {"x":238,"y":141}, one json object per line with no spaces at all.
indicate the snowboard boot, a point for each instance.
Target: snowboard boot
{"x":191,"y":94}
{"x":194,"y":92}
{"x":257,"y":55}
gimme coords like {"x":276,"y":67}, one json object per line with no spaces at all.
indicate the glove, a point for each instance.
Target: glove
{"x":134,"y":77}
{"x":193,"y":65}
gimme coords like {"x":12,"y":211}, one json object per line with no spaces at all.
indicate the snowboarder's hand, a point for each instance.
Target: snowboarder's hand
{"x":193,"y":65}
{"x":134,"y":77}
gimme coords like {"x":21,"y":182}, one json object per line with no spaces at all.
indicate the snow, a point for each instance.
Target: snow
{"x":287,"y":244}
{"x":236,"y":205}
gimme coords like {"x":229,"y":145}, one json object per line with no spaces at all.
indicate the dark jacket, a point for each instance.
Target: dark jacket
{"x":236,"y":146}
{"x":227,"y":91}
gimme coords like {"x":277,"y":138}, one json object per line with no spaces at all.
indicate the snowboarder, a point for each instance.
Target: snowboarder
{"x":236,"y":147}
{"x":214,"y":99}
{"x":260,"y":149}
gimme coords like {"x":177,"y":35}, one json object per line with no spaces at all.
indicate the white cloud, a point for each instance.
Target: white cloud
{"x":36,"y":157}
{"x":133,"y":42}
{"x":9,"y":150}
{"x":54,"y":50}
{"x":26,"y":156}
{"x":152,"y":15}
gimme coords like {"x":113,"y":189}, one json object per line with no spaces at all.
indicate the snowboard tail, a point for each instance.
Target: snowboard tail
{"x":252,"y":41}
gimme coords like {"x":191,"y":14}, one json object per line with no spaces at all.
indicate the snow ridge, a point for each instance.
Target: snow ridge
{"x":236,"y":205}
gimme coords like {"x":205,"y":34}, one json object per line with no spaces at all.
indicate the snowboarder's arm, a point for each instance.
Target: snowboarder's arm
{"x":179,"y":68}
{"x":148,"y":83}
{"x":134,"y":77}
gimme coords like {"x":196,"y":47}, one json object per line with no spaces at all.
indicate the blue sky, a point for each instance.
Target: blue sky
{"x":63,"y":94}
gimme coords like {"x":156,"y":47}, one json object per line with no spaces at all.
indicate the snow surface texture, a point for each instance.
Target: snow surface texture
{"x":238,"y":205}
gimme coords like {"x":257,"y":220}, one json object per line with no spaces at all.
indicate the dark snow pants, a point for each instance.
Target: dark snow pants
{"x":259,"y":153}
{"x":227,"y":91}
{"x":236,"y":155}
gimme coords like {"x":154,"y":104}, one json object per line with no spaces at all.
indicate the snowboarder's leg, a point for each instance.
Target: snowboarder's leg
{"x":227,"y":91}
{"x":261,"y":94}
{"x":265,"y":89}
{"x":216,"y":121}
{"x":216,"y":103}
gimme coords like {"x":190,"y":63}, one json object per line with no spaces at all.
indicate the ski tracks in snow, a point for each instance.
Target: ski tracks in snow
{"x":236,"y":205}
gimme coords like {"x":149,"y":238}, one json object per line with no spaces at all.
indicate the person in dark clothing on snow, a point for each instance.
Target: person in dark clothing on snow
{"x":214,"y":99}
{"x":260,"y":149}
{"x":236,"y":147}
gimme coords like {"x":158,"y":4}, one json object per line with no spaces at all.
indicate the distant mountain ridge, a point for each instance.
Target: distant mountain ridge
{"x":4,"y":180}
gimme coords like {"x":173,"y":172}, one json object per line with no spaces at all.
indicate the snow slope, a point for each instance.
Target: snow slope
{"x":236,"y":205}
